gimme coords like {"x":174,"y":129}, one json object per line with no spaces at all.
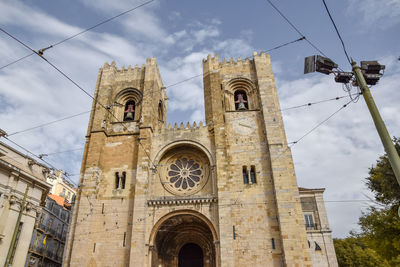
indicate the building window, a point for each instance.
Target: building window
{"x":69,"y":195}
{"x":63,"y":192}
{"x":245,"y":175}
{"x":309,"y":220}
{"x":253,"y":174}
{"x":123,"y":180}
{"x":160,"y":111}
{"x":241,"y":102}
{"x":129,"y":111}
{"x":116,"y":180}
{"x":120,"y":180}
{"x":317,"y":247}
{"x":273,"y":243}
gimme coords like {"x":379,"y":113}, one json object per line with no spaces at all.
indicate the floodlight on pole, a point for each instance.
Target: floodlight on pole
{"x":368,"y":74}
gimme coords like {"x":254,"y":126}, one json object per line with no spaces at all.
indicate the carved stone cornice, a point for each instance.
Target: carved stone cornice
{"x":181,"y":201}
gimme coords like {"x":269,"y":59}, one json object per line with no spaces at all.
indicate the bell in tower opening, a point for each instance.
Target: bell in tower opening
{"x":241,"y":101}
{"x":129,"y":113}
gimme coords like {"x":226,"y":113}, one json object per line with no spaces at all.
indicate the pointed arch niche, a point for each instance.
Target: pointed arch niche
{"x":127,"y":105}
{"x":240,"y":94}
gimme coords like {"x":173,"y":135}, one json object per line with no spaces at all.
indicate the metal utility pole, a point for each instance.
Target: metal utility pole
{"x":369,"y":73}
{"x":390,"y":149}
{"x":14,"y":237}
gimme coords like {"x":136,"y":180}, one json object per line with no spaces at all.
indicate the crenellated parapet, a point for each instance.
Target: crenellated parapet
{"x":212,"y":62}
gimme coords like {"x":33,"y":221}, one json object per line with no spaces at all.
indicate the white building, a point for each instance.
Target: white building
{"x":23,"y":190}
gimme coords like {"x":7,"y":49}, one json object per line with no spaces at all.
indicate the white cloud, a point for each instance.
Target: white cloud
{"x":337,"y":155}
{"x":206,"y":32}
{"x":376,"y":14}
{"x":15,"y":13}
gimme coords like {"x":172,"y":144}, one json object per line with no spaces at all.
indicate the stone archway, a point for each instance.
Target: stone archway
{"x":178,"y":237}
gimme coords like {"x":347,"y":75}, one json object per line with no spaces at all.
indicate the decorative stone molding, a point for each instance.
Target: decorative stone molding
{"x":181,"y":201}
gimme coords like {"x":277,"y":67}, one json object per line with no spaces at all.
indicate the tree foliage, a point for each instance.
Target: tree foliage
{"x":379,"y":238}
{"x":380,"y":226}
{"x":353,"y":252}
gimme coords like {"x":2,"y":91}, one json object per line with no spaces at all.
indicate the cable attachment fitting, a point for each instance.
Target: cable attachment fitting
{"x":3,"y":133}
{"x":41,"y":51}
{"x":40,"y":156}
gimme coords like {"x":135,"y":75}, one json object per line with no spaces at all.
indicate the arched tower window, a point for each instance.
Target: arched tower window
{"x":129,"y":111}
{"x":241,"y":102}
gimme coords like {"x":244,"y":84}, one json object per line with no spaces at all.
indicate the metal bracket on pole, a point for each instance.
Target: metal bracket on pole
{"x":390,"y":149}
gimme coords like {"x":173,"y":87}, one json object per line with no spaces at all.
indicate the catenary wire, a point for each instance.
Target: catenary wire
{"x":108,"y":109}
{"x":63,"y":74}
{"x":319,"y":102}
{"x":81,"y":32}
{"x":337,"y":31}
{"x":322,"y":122}
{"x":71,"y":150}
{"x":65,"y":151}
{"x":295,"y":28}
{"x":269,"y":50}
{"x":48,"y":123}
{"x":36,"y":156}
{"x":15,"y":61}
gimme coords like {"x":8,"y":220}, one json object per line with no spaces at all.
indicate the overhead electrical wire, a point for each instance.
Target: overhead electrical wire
{"x":308,"y":104}
{"x":65,"y":151}
{"x":79,"y":33}
{"x":36,"y":156}
{"x":318,"y":102}
{"x":322,"y":122}
{"x":269,"y":50}
{"x":63,"y":74}
{"x":337,"y":31}
{"x":295,"y":28}
{"x":48,"y":123}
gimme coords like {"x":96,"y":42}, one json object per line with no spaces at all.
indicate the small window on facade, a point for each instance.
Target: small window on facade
{"x":309,"y":244}
{"x":63,"y":192}
{"x":123,"y":178}
{"x":253,"y":174}
{"x":160,"y":112}
{"x":129,"y":112}
{"x":116,"y":180}
{"x":273,"y":243}
{"x":120,"y":180}
{"x":245,"y":175}
{"x":241,"y":102}
{"x":309,"y":220}
{"x":317,"y":247}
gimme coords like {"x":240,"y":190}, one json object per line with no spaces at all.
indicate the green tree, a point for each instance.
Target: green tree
{"x":378,"y":243}
{"x":353,"y":252}
{"x":380,"y":226}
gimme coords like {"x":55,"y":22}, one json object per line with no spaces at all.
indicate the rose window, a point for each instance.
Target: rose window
{"x":184,"y":172}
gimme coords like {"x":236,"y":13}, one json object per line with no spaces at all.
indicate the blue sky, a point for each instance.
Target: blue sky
{"x":180,"y":34}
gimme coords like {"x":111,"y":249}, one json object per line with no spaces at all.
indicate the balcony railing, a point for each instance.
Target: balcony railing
{"x":311,"y":226}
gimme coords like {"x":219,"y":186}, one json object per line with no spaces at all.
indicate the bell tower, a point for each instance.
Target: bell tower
{"x":260,"y":216}
{"x":129,"y":106}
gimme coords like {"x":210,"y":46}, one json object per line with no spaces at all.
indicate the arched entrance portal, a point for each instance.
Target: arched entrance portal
{"x":190,"y":255}
{"x":183,"y":240}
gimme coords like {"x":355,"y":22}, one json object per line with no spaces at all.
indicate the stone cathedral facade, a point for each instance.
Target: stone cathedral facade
{"x":223,"y":193}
